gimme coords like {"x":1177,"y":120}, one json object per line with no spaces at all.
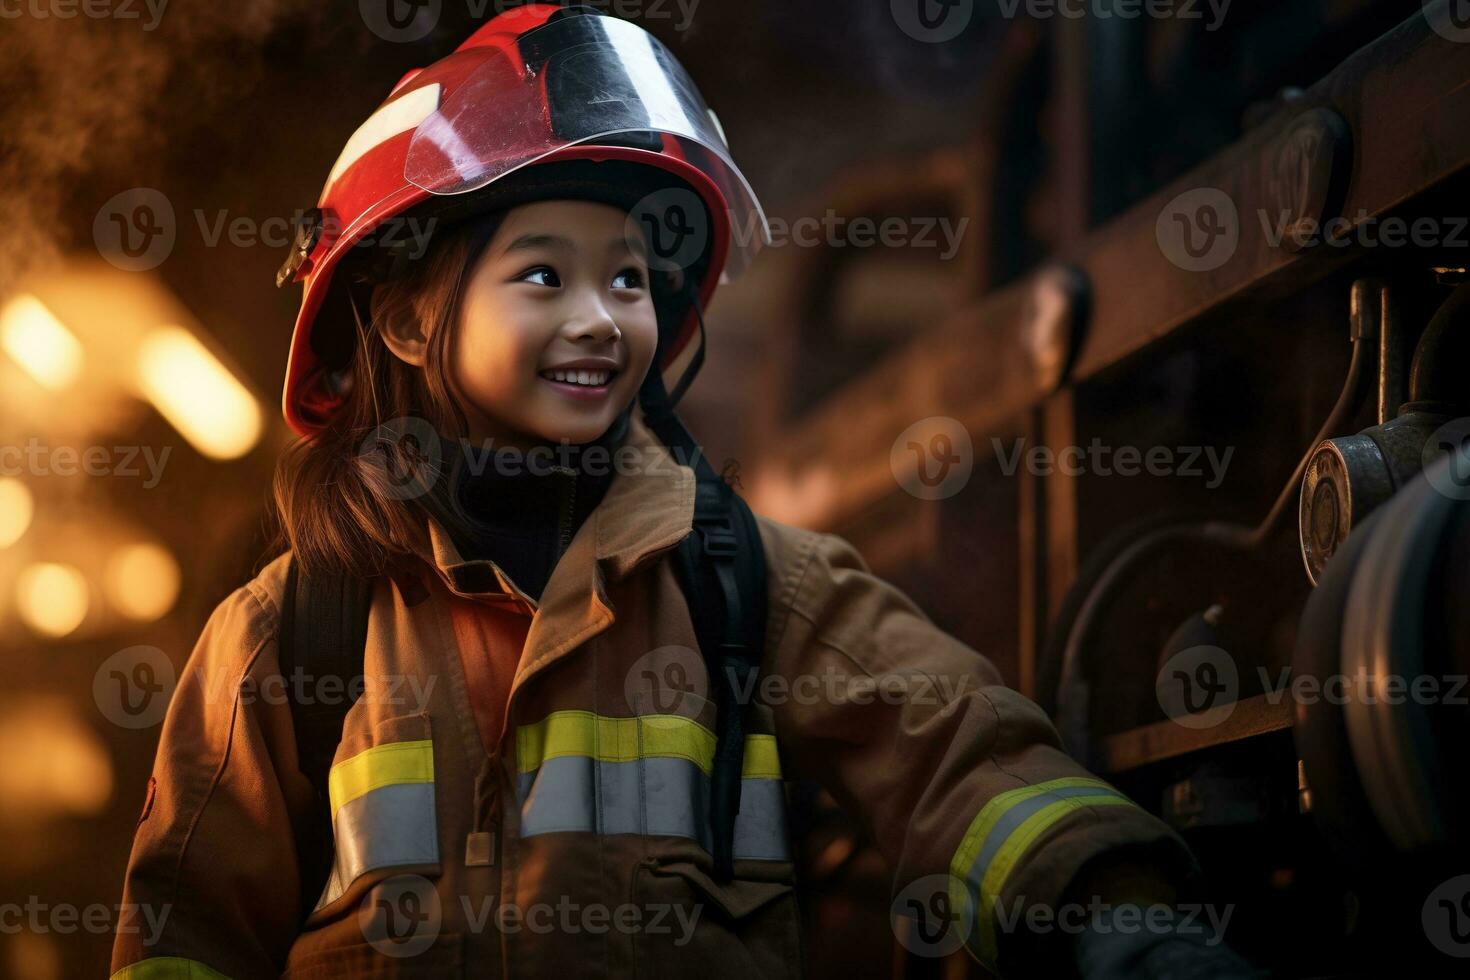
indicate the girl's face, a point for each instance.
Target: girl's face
{"x":557,"y":325}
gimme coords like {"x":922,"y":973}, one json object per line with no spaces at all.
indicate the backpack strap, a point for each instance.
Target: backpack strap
{"x":721,"y":567}
{"x":323,"y":634}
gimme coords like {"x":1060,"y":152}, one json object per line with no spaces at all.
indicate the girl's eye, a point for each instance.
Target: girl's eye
{"x":629,"y":278}
{"x":540,"y":270}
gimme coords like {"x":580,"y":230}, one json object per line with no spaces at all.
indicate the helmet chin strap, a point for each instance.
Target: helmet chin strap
{"x":659,"y":404}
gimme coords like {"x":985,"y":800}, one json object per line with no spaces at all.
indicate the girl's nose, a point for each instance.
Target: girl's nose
{"x":593,"y":323}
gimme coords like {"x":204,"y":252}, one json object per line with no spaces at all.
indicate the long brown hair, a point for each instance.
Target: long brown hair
{"x":335,"y":504}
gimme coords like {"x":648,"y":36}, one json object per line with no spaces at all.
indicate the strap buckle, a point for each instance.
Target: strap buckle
{"x":719,"y":540}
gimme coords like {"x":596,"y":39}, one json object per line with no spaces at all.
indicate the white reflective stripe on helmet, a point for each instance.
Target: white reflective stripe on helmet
{"x":391,"y":118}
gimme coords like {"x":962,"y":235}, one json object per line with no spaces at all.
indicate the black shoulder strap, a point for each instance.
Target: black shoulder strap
{"x":721,"y":567}
{"x":324,"y":622}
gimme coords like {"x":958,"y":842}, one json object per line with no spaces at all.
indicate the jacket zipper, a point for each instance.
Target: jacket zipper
{"x":569,"y":506}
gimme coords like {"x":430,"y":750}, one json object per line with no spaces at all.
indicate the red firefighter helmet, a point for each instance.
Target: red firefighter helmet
{"x":542,"y":101}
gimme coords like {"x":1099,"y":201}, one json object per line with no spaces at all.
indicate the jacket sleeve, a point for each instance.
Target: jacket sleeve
{"x":960,"y":780}
{"x":212,"y":885}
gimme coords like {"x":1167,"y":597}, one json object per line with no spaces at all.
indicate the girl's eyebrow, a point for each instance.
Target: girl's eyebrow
{"x":537,"y":240}
{"x":533,"y":240}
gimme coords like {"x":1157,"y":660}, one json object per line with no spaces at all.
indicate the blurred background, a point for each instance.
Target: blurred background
{"x":1032,"y":168}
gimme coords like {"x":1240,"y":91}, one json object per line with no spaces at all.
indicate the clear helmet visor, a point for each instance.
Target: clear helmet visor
{"x":579,"y":80}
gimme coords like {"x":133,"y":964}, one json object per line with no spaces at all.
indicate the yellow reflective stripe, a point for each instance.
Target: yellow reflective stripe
{"x":381,"y":765}
{"x":588,"y":735}
{"x":1014,"y":845}
{"x":762,"y":760}
{"x":990,"y":814}
{"x":168,"y":968}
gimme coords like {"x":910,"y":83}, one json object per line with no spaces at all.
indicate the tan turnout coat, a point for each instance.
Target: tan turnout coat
{"x":572,"y":841}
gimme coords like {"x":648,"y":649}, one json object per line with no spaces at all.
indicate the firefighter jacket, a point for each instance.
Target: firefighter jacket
{"x":521,"y":788}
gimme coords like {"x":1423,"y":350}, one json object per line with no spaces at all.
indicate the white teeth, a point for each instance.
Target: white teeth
{"x":594,"y":379}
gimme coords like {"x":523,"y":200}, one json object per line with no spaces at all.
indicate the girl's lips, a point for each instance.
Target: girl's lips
{"x":586,"y":393}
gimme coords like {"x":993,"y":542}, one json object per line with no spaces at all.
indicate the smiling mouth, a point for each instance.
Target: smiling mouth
{"x":583,"y":378}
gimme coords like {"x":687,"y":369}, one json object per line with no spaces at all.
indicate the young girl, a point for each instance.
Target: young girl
{"x":523,"y":776}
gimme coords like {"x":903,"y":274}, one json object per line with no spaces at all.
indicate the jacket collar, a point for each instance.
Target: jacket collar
{"x":648,"y":508}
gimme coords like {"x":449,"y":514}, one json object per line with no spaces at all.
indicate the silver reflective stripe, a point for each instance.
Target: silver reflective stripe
{"x":391,"y":825}
{"x":652,"y":796}
{"x":1018,"y":814}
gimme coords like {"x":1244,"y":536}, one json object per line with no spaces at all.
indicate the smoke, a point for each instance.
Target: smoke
{"x":81,"y":93}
